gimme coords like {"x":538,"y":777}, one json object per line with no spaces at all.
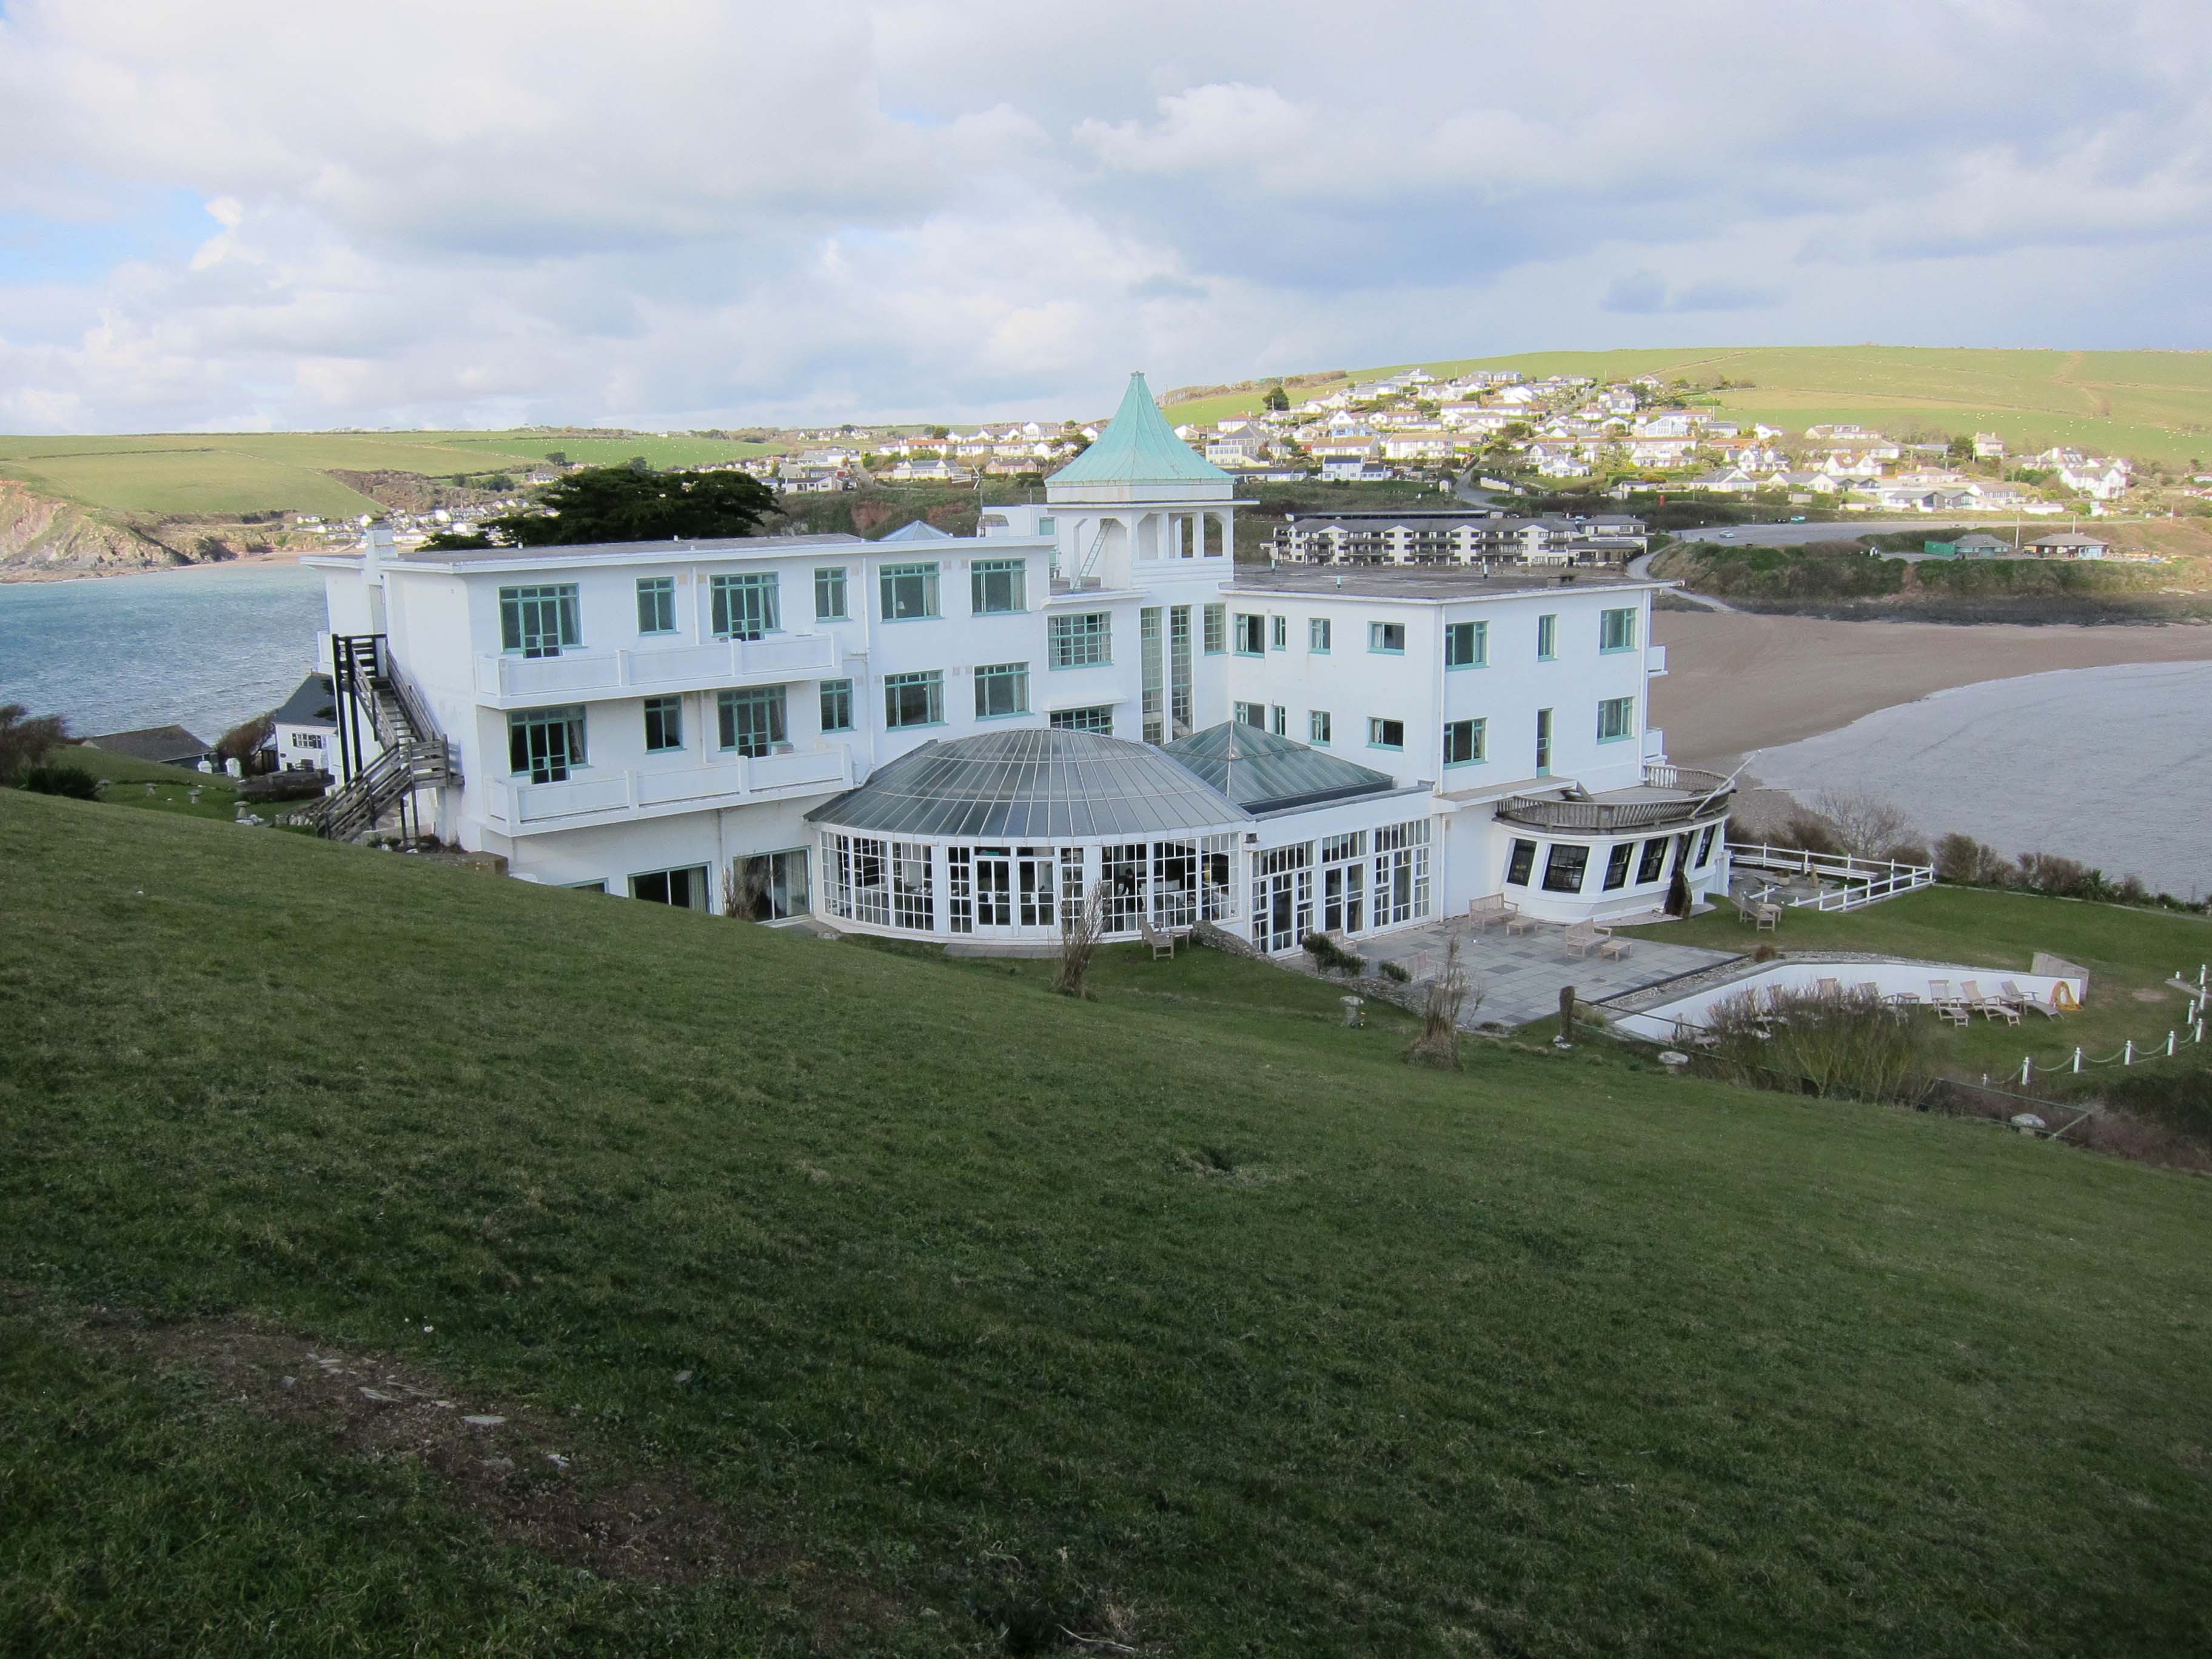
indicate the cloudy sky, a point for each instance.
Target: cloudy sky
{"x":267,"y":213}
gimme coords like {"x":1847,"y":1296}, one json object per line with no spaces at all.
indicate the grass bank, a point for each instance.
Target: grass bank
{"x":1184,"y":1319}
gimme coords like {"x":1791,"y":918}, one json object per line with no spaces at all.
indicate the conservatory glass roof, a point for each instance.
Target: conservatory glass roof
{"x":1263,"y":773}
{"x":1035,"y":785}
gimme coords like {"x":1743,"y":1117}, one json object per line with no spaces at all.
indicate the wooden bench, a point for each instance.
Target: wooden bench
{"x":1583,"y":937}
{"x":1484,"y":912}
{"x":1164,"y":944}
{"x":1764,"y":917}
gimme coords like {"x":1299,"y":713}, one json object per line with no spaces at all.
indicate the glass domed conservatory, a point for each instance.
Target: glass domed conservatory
{"x":994,"y":837}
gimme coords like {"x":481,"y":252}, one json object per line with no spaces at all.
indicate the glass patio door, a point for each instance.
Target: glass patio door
{"x":1543,"y":743}
{"x":1037,"y":874}
{"x":994,"y":887}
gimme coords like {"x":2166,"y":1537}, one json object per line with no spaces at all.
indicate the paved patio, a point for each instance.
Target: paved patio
{"x":1520,"y":976}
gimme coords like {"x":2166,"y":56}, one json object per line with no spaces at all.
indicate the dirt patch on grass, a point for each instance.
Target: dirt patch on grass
{"x":526,"y":1474}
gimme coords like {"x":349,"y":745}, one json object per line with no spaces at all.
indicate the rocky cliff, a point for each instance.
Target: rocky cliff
{"x":42,"y":536}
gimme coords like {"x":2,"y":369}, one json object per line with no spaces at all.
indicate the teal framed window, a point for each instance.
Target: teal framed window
{"x":836,"y":705}
{"x":746,"y":607}
{"x":1564,"y":865}
{"x":996,"y":587}
{"x":1317,"y":726}
{"x":539,"y":622}
{"x":1280,"y":722}
{"x":1280,"y":633}
{"x":1002,"y":688}
{"x":1522,"y":863}
{"x":656,"y":604}
{"x":751,"y":720}
{"x":545,"y":744}
{"x":1616,"y":864}
{"x":1466,"y":743}
{"x":910,"y":592}
{"x":664,"y":724}
{"x":1217,"y":629}
{"x":1466,"y":644}
{"x":1387,"y":638}
{"x":1616,"y":719}
{"x":1249,"y":713}
{"x":1251,"y":635}
{"x":1386,"y":734}
{"x":1100,"y":719}
{"x":916,"y":699}
{"x":1616,"y":629}
{"x":1547,"y":639}
{"x":1317,"y":633}
{"x":1083,"y":640}
{"x":830,"y":604}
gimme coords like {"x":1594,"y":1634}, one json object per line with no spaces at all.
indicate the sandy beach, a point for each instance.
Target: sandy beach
{"x":1737,"y":682}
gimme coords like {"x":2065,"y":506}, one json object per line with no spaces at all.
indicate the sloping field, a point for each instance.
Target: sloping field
{"x":820,"y":1298}
{"x":2150,"y":404}
{"x":281,"y":471}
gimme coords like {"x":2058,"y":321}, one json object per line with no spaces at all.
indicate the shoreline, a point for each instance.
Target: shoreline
{"x":25,"y":577}
{"x":1746,"y":681}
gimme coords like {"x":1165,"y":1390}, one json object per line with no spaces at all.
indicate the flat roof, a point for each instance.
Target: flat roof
{"x":684,"y":550}
{"x":1399,"y":582}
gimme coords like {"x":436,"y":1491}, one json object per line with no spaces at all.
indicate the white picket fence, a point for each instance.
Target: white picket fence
{"x":1844,"y":882}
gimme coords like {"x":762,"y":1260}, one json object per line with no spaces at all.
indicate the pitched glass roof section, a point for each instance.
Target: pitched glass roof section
{"x":918,"y":530}
{"x":1031,"y":785}
{"x":1139,"y":446}
{"x":1267,"y":772}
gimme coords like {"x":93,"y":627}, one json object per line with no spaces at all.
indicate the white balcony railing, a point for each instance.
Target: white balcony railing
{"x":598,"y":795}
{"x":628,"y":672}
{"x":1655,"y":659}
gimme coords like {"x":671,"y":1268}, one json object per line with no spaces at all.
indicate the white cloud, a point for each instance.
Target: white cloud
{"x":683,"y":210}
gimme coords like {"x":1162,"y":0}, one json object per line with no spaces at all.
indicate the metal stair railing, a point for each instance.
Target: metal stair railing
{"x":346,"y":812}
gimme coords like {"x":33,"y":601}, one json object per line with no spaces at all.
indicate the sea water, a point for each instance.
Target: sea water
{"x":205,"y":647}
{"x":2111,"y":766}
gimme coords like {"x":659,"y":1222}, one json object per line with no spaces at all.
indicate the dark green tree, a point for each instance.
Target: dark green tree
{"x":1277,"y":398}
{"x":447,"y":541}
{"x":24,"y":739}
{"x":616,"y":504}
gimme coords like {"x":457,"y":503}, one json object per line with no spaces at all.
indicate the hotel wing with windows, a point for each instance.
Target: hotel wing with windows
{"x":959,"y":737}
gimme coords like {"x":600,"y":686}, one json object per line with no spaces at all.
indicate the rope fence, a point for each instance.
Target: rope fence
{"x":2129,"y":1053}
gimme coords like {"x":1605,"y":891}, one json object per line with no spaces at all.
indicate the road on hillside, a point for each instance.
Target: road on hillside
{"x":1825,"y":530}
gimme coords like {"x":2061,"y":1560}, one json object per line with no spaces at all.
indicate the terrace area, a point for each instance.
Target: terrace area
{"x":1668,"y":795}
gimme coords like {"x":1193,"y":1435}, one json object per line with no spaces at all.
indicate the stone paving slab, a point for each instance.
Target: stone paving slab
{"x":1520,"y":975}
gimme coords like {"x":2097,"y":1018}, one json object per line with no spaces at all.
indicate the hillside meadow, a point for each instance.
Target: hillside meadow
{"x":2152,"y":406}
{"x":399,"y":1260}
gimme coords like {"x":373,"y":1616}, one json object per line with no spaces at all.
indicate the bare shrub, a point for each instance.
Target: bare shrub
{"x":1866,"y":825}
{"x":1080,"y":926}
{"x":2049,"y":872}
{"x":1848,"y":1046}
{"x":243,"y":742}
{"x":1809,"y":833}
{"x":744,"y":889}
{"x":1449,"y":994}
{"x":25,"y":740}
{"x":1962,"y":858}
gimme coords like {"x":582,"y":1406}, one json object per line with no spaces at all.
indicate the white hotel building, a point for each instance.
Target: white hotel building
{"x":949,"y":738}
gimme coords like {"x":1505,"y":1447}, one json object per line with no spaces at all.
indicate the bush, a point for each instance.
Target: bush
{"x":1962,"y":858}
{"x":61,"y":780}
{"x":1392,"y":970}
{"x":1852,"y":1046}
{"x":1331,"y":956}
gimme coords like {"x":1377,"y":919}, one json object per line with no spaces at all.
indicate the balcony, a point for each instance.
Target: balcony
{"x":512,"y":682}
{"x":1670,"y":795}
{"x":612,"y":796}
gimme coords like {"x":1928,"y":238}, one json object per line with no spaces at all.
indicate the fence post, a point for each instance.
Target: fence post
{"x":2077,"y":1059}
{"x":2169,"y":1045}
{"x":2027,"y":1063}
{"x":2128,"y":1052}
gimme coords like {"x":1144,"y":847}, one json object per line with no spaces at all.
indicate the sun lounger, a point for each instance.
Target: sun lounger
{"x":1831,"y":987}
{"x":1947,"y":1004}
{"x":2012,"y":993}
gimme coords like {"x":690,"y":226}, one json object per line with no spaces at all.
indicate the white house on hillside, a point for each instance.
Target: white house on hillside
{"x":957,"y":738}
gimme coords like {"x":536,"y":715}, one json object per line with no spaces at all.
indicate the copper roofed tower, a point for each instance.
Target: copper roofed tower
{"x":1140,"y":500}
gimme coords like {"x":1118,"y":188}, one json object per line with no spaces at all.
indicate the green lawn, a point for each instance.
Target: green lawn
{"x":280,"y":471}
{"x":2129,"y":954}
{"x":1184,"y":1317}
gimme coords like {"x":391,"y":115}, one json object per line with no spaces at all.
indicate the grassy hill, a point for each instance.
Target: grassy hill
{"x":2154,"y":405}
{"x":233,"y":473}
{"x":880,"y":1304}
